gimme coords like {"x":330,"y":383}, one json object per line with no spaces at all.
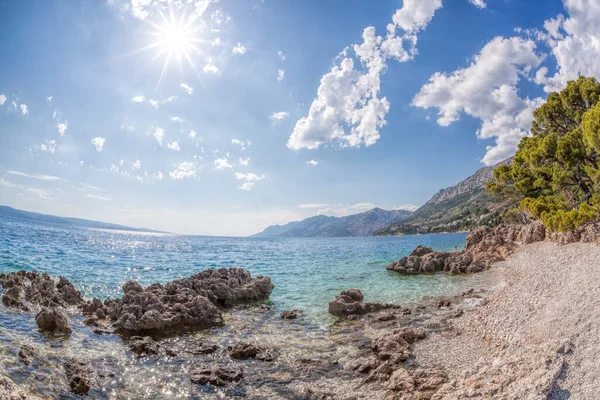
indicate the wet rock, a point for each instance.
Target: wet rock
{"x":80,"y":375}
{"x":27,"y":354}
{"x":243,"y":350}
{"x":292,"y":314}
{"x":9,"y":390}
{"x":421,"y":251}
{"x":443,"y":303}
{"x":143,"y":346}
{"x":184,"y":304}
{"x":354,"y":294}
{"x":347,"y":306}
{"x":40,"y":289}
{"x":52,"y":320}
{"x":216,"y":375}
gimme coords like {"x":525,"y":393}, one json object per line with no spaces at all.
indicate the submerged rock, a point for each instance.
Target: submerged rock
{"x":80,"y":375}
{"x":292,"y":314}
{"x":52,"y":320}
{"x":349,"y":305}
{"x":216,"y":375}
{"x":27,"y":354}
{"x":243,"y":350}
{"x":143,"y":346}
{"x":184,"y":304}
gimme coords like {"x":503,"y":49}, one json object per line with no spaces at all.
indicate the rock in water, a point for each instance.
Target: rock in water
{"x":292,"y":314}
{"x":217,"y":376}
{"x":27,"y":354}
{"x":143,"y":346}
{"x":39,"y":289}
{"x":349,"y":304}
{"x":80,"y":375}
{"x":243,"y":350}
{"x":52,"y":320}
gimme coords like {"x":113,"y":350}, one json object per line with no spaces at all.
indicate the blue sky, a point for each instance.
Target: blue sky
{"x":298,"y":107}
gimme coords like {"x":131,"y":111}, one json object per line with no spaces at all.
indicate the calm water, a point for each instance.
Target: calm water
{"x":307,"y":272}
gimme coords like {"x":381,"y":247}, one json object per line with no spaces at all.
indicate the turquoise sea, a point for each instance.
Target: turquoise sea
{"x":307,"y":272}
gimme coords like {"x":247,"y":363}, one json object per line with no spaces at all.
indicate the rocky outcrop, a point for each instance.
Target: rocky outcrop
{"x":180,"y":305}
{"x":484,"y":246}
{"x":216,"y":375}
{"x":80,"y":375}
{"x":52,"y":320}
{"x":24,"y":288}
{"x":9,"y":390}
{"x":349,"y":305}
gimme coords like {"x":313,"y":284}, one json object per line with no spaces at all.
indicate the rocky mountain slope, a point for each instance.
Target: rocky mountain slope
{"x":363,"y":224}
{"x":457,"y":208}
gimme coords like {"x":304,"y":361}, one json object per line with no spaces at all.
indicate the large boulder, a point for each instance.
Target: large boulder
{"x":80,"y":375}
{"x":52,"y":320}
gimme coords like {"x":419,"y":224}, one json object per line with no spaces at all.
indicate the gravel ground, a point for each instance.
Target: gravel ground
{"x":536,"y":337}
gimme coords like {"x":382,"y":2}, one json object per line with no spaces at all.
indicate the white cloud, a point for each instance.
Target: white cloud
{"x":187,"y":88}
{"x":241,"y":143}
{"x":98,"y":142}
{"x":312,"y":162}
{"x":49,"y":146}
{"x":341,"y":210}
{"x":34,"y":176}
{"x":347,"y":109}
{"x":250,"y":176}
{"x":137,"y":164}
{"x":211,"y":68}
{"x":159,"y":134}
{"x":184,"y":170}
{"x":221,"y":163}
{"x":96,"y":197}
{"x":408,"y":207}
{"x":478,"y":3}
{"x":239,"y":49}
{"x":280,"y":75}
{"x":154,"y":103}
{"x":247,"y":186}
{"x":49,"y":98}
{"x":158,"y":176}
{"x":281,"y":55}
{"x":177,"y":119}
{"x":245,"y":161}
{"x":24,"y":110}
{"x":174,"y":146}
{"x":62,"y":128}
{"x":38,"y":193}
{"x":312,"y":205}
{"x":138,"y":99}
{"x":128,"y":127}
{"x":2,"y":99}
{"x":279,"y":116}
{"x":487,"y":90}
{"x":192,"y":134}
{"x":9,"y":184}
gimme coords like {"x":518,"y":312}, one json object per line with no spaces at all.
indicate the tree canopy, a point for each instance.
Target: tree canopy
{"x":555,"y":173}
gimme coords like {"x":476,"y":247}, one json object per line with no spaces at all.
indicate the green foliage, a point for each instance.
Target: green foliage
{"x":555,"y":173}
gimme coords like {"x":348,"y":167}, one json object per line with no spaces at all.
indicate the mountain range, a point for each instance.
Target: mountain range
{"x":363,"y":224}
{"x":10,"y":212}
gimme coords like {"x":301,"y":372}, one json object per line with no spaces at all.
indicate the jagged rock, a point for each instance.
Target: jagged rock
{"x":395,"y":347}
{"x":80,"y":375}
{"x":52,"y":320}
{"x":346,"y":306}
{"x":184,"y":304}
{"x":195,"y":348}
{"x":354,"y":294}
{"x":421,"y":251}
{"x":243,"y":350}
{"x":27,"y":354}
{"x":39,"y":289}
{"x":143,"y":346}
{"x":215,"y":375}
{"x":423,"y":383}
{"x":9,"y":390}
{"x":292,"y":314}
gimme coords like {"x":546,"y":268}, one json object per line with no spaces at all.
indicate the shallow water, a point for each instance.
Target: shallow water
{"x":307,"y":272}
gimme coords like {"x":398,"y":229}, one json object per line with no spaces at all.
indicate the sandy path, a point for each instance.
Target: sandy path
{"x":538,"y":336}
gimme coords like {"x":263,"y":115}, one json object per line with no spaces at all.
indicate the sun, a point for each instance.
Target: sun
{"x":175,"y":39}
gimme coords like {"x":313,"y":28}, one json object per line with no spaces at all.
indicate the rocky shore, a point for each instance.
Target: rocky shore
{"x":213,"y":336}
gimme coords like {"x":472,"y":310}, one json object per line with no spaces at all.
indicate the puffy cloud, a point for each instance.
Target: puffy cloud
{"x":159,"y":135}
{"x":281,"y":55}
{"x":312,"y":162}
{"x":241,"y":143}
{"x":192,"y":134}
{"x":62,"y":127}
{"x":137,"y":164}
{"x":239,"y":49}
{"x":211,"y":68}
{"x":174,"y":146}
{"x":187,"y":88}
{"x":312,"y":205}
{"x":347,"y":109}
{"x":280,"y":75}
{"x":478,"y":3}
{"x":341,"y":210}
{"x":49,"y":146}
{"x":158,"y":176}
{"x":222,"y":163}
{"x":183,"y":170}
{"x":24,"y":109}
{"x":138,"y":99}
{"x":177,"y":119}
{"x":279,"y":116}
{"x":96,"y":197}
{"x":487,"y":90}
{"x":247,"y":186}
{"x":407,"y":207}
{"x":154,"y":103}
{"x":98,"y":142}
{"x":34,"y":176}
{"x":244,"y":161}
{"x":250,"y":176}
{"x":128,"y":127}
{"x":2,"y":99}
